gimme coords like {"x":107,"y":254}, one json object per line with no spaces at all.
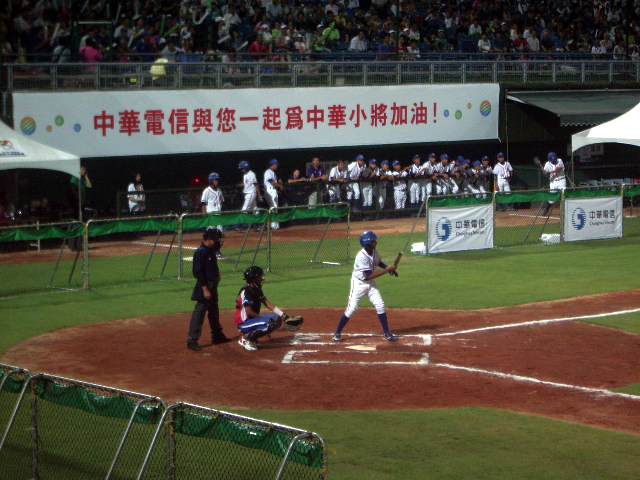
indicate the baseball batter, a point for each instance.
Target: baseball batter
{"x":271,"y":187}
{"x":554,"y":168}
{"x":363,"y":283}
{"x":212,"y":198}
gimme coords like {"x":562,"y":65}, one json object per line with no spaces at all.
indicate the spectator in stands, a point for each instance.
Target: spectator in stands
{"x":359,"y":44}
{"x":7,"y":209}
{"x":546,"y":43}
{"x":413,"y":51}
{"x":385,"y":52}
{"x":318,"y":40}
{"x":534,"y":42}
{"x":90,"y":53}
{"x":484,"y":45}
{"x":258,"y":49}
{"x":475,"y":28}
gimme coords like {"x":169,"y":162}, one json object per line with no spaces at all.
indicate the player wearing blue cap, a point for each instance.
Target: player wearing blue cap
{"x":414,"y":182}
{"x":369,"y":175}
{"x":399,"y":185}
{"x":363,"y":283}
{"x":271,"y":186}
{"x":443,"y":169}
{"x":384,"y":175}
{"x":250,"y":187}
{"x":212,"y":197}
{"x":486,"y":177}
{"x":503,"y":173}
{"x":337,"y":178}
{"x":554,"y":168}
{"x":475,"y":180}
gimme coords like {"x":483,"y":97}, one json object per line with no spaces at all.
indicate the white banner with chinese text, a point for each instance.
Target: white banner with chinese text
{"x":109,"y":123}
{"x":592,"y":218}
{"x":460,"y":228}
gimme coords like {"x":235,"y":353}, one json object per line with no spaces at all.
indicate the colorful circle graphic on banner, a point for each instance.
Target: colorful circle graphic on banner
{"x":444,"y":228}
{"x":485,"y":108}
{"x":458,"y":114}
{"x":578,"y":218}
{"x":59,"y":120}
{"x":49,"y":128}
{"x":469,"y":106}
{"x":28,"y":126}
{"x":446,"y":113}
{"x":77,"y":127}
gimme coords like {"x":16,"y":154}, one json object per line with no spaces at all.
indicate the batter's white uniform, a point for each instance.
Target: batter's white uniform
{"x":557,"y":180}
{"x":364,"y":264}
{"x":271,"y":193}
{"x":503,"y":172}
{"x":212,"y":199}
{"x":399,"y":188}
{"x":354,"y":170}
{"x":250,"y":191}
{"x":334,"y":190}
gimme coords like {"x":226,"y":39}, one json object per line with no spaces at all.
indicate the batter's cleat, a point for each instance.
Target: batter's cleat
{"x":194,"y":346}
{"x":248,"y":344}
{"x":337,"y":337}
{"x":391,"y":337}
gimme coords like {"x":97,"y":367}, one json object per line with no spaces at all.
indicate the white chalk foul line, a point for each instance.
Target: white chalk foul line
{"x":289,"y":359}
{"x":316,"y":339}
{"x":538,"y":322}
{"x":519,"y":378}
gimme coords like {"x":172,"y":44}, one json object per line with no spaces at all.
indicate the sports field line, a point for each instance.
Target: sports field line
{"x":519,"y":378}
{"x":532,"y":216}
{"x":538,"y":322}
{"x":289,"y":359}
{"x":165,"y":245}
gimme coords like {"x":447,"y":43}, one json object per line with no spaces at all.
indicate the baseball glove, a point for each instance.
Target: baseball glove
{"x":293,"y":323}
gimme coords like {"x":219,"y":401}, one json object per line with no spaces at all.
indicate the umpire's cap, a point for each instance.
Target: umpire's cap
{"x":213,"y":176}
{"x":212,"y":233}
{"x":367,"y":238}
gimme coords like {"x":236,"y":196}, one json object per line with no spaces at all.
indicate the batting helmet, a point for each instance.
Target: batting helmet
{"x":253,"y":274}
{"x":212,"y":233}
{"x":552,"y":157}
{"x":243,"y":164}
{"x":213,"y":176}
{"x":367,"y":238}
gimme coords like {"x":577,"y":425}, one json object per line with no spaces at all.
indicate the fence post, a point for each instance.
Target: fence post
{"x":85,"y":255}
{"x":562,"y":215}
{"x":180,"y":240}
{"x":35,"y":439}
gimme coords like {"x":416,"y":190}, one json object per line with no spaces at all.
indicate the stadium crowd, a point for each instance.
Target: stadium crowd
{"x":196,"y":30}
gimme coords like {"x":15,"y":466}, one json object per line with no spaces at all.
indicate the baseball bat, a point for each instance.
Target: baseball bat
{"x":396,"y":262}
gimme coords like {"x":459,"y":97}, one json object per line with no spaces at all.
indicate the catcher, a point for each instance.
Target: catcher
{"x":251,"y":324}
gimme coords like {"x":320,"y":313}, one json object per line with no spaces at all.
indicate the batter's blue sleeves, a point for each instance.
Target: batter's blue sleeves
{"x":383,"y":320}
{"x":382,"y":265}
{"x":343,"y":321}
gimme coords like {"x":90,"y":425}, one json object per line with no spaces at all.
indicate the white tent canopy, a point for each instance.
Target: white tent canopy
{"x":623,"y":129}
{"x":19,"y":151}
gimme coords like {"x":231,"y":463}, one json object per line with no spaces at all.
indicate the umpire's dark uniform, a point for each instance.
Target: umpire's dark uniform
{"x":205,"y":269}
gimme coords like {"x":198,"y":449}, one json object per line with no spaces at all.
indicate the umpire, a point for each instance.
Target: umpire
{"x":205,"y":293}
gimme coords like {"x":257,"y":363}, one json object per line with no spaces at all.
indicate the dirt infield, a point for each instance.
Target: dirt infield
{"x":533,"y":358}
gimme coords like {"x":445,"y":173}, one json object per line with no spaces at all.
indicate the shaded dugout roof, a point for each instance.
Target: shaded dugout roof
{"x":584,"y":107}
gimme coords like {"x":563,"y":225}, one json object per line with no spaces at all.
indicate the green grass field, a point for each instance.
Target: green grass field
{"x":440,"y":444}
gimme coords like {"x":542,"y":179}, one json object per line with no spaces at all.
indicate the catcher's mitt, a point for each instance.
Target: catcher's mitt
{"x":293,"y":323}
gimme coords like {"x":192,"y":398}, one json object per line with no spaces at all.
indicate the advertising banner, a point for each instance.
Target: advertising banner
{"x":460,"y":228}
{"x":112,"y":123}
{"x":592,"y":218}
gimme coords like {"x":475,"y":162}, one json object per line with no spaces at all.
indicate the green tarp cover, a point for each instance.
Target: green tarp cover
{"x":41,"y":233}
{"x":595,"y":192}
{"x":192,"y":223}
{"x":632,"y":191}
{"x":260,"y":437}
{"x":525,"y":197}
{"x":138,"y":225}
{"x":114,"y":406}
{"x":311,"y":212}
{"x":458,"y":201}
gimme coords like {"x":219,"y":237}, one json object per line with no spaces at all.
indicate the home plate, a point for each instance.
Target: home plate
{"x":362,"y":348}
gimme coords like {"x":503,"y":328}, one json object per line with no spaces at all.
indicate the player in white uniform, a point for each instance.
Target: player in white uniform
{"x":443,"y":183}
{"x":475,"y":180}
{"x":486,"y":175}
{"x":271,"y":186}
{"x":554,"y":168}
{"x":212,"y":197}
{"x":337,"y":175}
{"x":399,"y":185}
{"x":414,"y":184}
{"x":369,"y":175}
{"x":249,"y":187}
{"x":503,"y":172}
{"x":136,"y":199}
{"x":384,"y":175}
{"x":363,"y":283}
{"x":354,"y":172}
{"x":429,"y":170}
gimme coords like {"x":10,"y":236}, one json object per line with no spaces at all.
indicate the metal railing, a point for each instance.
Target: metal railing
{"x":567,"y":71}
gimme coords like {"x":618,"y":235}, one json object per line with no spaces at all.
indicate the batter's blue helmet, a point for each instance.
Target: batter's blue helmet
{"x":552,"y":157}
{"x":243,"y":164}
{"x":213,"y":176}
{"x":367,"y":238}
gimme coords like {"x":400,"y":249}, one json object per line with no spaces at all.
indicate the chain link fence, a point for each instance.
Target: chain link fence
{"x":631,"y":202}
{"x":126,"y":250}
{"x":198,"y":443}
{"x":41,"y":256}
{"x":65,"y":429}
{"x":11,"y":381}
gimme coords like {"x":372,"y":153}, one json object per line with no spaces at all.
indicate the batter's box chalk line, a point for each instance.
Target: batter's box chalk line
{"x":359,"y":339}
{"x":293,"y":356}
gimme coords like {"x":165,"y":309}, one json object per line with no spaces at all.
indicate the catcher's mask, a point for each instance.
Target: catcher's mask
{"x":254,"y":275}
{"x":212,"y":233}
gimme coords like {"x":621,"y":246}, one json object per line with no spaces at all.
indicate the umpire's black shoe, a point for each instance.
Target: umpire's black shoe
{"x":194,"y":346}
{"x":219,"y":339}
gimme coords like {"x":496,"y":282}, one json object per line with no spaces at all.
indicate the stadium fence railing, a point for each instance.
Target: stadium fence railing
{"x":123,"y":250}
{"x":61,"y":428}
